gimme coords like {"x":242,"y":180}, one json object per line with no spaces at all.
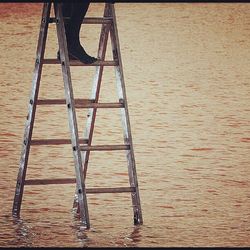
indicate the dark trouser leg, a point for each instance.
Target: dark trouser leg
{"x":79,"y":10}
{"x":76,"y":11}
{"x":67,"y":10}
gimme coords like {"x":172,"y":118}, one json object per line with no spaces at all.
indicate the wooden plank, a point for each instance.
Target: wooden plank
{"x":110,"y":190}
{"x":89,"y":20}
{"x":37,"y":142}
{"x":63,"y":101}
{"x":97,"y":20}
{"x":100,"y":105}
{"x":104,"y":147}
{"x":50,"y":181}
{"x":73,"y":180}
{"x":81,"y":103}
{"x":78,"y":63}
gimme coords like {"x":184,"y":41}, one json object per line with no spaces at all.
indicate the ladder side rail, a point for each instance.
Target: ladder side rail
{"x":81,"y":190}
{"x":31,"y":110}
{"x":91,"y":114}
{"x":121,"y":91}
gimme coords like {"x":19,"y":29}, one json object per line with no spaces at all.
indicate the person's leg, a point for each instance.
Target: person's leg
{"x":77,"y":12}
{"x":67,"y":11}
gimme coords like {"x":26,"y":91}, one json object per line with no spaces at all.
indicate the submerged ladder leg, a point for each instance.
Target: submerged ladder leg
{"x":31,"y":110}
{"x":125,"y":119}
{"x":80,"y":182}
{"x":91,"y":114}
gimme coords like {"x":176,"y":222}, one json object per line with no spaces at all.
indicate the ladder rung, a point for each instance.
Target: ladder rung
{"x":97,"y":20}
{"x":50,"y":181}
{"x":55,"y":141}
{"x":81,"y":103}
{"x":104,"y":147}
{"x":89,"y":20}
{"x":73,"y":180}
{"x":63,"y":101}
{"x":78,"y":63}
{"x":110,"y":190}
{"x":101,"y":105}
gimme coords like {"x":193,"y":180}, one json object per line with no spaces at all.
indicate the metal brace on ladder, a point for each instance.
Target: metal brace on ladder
{"x":109,"y":26}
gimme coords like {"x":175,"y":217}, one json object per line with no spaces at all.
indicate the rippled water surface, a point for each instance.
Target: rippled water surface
{"x":187,"y":77}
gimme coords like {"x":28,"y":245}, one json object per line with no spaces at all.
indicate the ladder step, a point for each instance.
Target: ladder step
{"x":73,"y":180}
{"x":101,"y":105}
{"x":97,"y":20}
{"x":49,"y":181}
{"x":110,"y":190}
{"x":81,"y":103}
{"x":89,"y":20}
{"x":63,"y":101}
{"x":78,"y":63}
{"x":55,"y":141}
{"x":104,"y":147}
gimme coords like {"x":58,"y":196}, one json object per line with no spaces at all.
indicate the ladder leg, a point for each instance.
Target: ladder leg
{"x":91,"y":115}
{"x":31,"y":110}
{"x":81,"y":191}
{"x":125,"y":119}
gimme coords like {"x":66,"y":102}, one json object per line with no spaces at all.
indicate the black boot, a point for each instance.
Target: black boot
{"x":76,"y":11}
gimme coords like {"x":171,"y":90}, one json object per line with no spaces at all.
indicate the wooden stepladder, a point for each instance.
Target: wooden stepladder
{"x":109,"y":27}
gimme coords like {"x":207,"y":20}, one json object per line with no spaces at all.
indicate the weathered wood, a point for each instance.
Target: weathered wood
{"x":37,"y":142}
{"x":81,"y":103}
{"x":91,"y":116}
{"x":79,"y":63}
{"x":101,"y":105}
{"x":31,"y":110}
{"x":89,"y":20}
{"x":63,"y":101}
{"x":95,"y":92}
{"x":80,"y":182}
{"x":110,"y":190}
{"x":50,"y":181}
{"x":121,"y":90}
{"x":108,"y":26}
{"x":73,"y":180}
{"x":104,"y":147}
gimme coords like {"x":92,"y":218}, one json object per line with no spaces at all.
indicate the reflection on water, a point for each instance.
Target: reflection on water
{"x":135,"y":237}
{"x":23,"y":233}
{"x":187,"y":78}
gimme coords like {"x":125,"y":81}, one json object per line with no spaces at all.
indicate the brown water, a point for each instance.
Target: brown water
{"x":187,"y":75}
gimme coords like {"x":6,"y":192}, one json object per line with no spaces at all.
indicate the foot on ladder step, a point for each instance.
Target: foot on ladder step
{"x":78,"y":53}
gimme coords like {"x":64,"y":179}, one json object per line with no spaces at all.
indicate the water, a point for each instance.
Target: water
{"x":187,"y":77}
